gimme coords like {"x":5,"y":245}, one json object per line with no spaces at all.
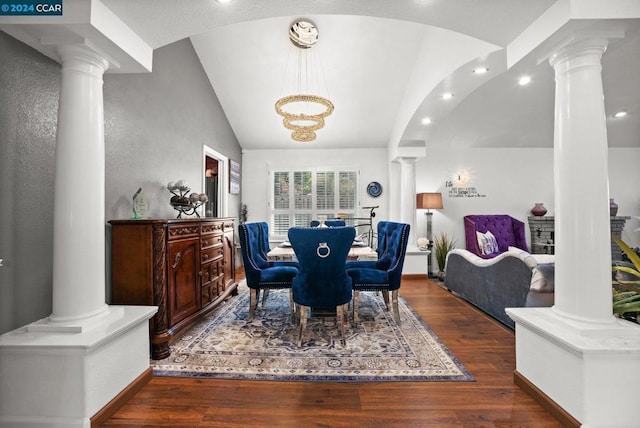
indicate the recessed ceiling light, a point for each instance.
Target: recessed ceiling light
{"x":480,"y":70}
{"x":224,"y":1}
{"x":524,"y":80}
{"x":447,"y":96}
{"x":620,"y":114}
{"x":426,"y":121}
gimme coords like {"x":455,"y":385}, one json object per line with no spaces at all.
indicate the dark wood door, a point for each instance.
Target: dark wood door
{"x":184,"y":279}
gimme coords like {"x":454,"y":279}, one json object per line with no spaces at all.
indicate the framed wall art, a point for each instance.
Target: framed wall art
{"x":234,"y":177}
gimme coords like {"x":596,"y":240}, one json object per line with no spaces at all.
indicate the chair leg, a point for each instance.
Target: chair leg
{"x":302,"y":312}
{"x":356,"y":295}
{"x":294,"y":308}
{"x":340,"y":310}
{"x":394,"y":302}
{"x":385,"y":296}
{"x":254,"y":294}
{"x":265,"y":294}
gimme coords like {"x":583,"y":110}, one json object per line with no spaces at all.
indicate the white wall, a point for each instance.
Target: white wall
{"x":512,"y":180}
{"x":372,"y":164}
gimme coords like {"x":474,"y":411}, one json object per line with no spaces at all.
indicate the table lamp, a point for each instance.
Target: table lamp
{"x":429,"y":201}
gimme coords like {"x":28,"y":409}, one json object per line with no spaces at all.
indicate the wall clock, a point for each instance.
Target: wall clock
{"x":374,"y":189}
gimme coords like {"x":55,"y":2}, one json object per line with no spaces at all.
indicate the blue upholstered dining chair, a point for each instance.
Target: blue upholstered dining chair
{"x":328,"y":223}
{"x":380,"y":247}
{"x":264,"y":249}
{"x":259,"y":273}
{"x":322,"y":282}
{"x":386,"y":273}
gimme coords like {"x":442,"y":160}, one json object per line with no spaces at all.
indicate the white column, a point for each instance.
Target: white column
{"x":408,"y":196}
{"x":93,"y":352}
{"x":583,"y":252}
{"x":568,"y":351}
{"x":79,"y":212}
{"x":395,"y":190}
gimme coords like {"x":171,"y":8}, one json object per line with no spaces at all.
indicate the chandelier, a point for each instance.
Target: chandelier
{"x":304,"y":113}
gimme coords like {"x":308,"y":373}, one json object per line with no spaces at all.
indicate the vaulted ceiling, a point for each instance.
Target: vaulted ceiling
{"x":385,"y":65}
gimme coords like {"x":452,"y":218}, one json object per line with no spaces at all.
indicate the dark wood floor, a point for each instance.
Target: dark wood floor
{"x":485,"y":347}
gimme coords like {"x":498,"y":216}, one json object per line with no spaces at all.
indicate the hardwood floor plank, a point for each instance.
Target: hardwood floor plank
{"x":484,"y":346}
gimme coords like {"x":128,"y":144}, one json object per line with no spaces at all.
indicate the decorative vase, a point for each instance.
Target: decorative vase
{"x":613,"y":207}
{"x":538,"y":210}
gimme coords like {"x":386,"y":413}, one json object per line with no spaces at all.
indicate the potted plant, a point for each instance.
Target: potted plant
{"x":442,"y":244}
{"x":626,"y":292}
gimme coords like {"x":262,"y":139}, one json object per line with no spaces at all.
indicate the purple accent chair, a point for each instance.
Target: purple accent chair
{"x":509,"y":232}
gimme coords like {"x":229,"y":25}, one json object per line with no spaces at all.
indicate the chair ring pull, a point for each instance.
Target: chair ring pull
{"x":323,"y":246}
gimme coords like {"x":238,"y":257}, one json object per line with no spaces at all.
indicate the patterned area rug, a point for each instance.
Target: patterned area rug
{"x":224,"y":345}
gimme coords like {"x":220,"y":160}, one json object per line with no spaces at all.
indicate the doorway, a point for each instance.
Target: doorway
{"x":211,"y":187}
{"x":214,"y":183}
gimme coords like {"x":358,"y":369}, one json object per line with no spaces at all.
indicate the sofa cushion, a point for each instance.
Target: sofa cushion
{"x":542,"y":279}
{"x":536,"y":299}
{"x":529,"y":259}
{"x":544,"y":258}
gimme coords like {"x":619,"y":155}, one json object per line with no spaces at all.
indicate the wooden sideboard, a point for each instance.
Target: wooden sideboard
{"x":183,"y":266}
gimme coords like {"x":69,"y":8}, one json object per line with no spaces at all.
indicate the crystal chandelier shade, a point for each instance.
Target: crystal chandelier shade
{"x":304,"y":112}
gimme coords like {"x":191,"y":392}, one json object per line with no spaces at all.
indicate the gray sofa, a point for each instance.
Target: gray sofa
{"x":514,"y":278}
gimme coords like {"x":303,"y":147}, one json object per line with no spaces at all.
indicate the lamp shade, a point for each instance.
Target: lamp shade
{"x":429,"y":200}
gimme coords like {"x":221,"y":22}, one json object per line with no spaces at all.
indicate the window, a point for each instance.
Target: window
{"x":297,"y":197}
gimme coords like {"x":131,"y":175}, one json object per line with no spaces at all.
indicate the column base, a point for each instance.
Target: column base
{"x":53,"y":379}
{"x":47,"y":325}
{"x":591,"y":372}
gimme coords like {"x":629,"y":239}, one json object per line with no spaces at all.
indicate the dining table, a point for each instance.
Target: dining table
{"x":358,"y":250}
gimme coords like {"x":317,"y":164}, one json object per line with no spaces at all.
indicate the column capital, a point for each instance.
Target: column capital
{"x":593,"y":46}
{"x":582,"y":43}
{"x":405,"y":160}
{"x":82,"y":58}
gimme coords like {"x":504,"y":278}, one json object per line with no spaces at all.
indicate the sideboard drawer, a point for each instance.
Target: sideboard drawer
{"x":209,"y":241}
{"x":210,"y":254}
{"x":212,"y":227}
{"x":180,"y":231}
{"x":211,"y":272}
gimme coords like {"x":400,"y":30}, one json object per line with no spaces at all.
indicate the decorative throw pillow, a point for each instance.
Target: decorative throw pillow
{"x":542,"y":279}
{"x":487,"y":243}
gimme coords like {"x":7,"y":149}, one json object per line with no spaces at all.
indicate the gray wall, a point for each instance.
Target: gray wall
{"x":155,"y":127}
{"x":29,"y":87}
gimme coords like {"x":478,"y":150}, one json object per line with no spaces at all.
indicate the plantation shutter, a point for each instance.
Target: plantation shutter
{"x":298,"y":197}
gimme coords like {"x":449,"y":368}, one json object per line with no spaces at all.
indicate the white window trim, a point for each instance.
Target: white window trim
{"x":314,"y":210}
